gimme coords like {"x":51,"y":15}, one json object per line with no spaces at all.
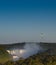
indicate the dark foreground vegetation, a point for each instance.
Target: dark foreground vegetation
{"x":38,"y":59}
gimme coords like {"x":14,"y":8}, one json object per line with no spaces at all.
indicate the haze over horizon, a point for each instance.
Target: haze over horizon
{"x":25,"y":20}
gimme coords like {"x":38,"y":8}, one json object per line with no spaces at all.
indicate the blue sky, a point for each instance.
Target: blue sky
{"x":25,"y":20}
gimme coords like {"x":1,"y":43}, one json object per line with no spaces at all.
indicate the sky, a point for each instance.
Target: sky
{"x":25,"y":20}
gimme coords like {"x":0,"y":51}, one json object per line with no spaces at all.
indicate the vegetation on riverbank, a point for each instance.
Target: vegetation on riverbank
{"x":4,"y":56}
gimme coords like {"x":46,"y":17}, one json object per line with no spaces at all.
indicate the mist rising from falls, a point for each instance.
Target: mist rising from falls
{"x":28,"y":50}
{"x":31,"y":49}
